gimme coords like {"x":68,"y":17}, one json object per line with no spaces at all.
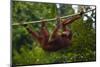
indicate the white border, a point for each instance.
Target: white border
{"x":92,"y":2}
{"x":5,"y":33}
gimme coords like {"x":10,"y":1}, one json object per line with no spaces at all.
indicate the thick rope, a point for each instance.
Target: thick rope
{"x":47,"y":20}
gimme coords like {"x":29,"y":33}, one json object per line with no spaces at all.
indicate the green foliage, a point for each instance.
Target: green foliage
{"x":27,"y":51}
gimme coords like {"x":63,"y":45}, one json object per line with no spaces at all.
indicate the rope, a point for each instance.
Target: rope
{"x":47,"y":20}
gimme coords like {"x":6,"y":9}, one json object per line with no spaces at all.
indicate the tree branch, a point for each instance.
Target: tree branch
{"x":47,"y":20}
